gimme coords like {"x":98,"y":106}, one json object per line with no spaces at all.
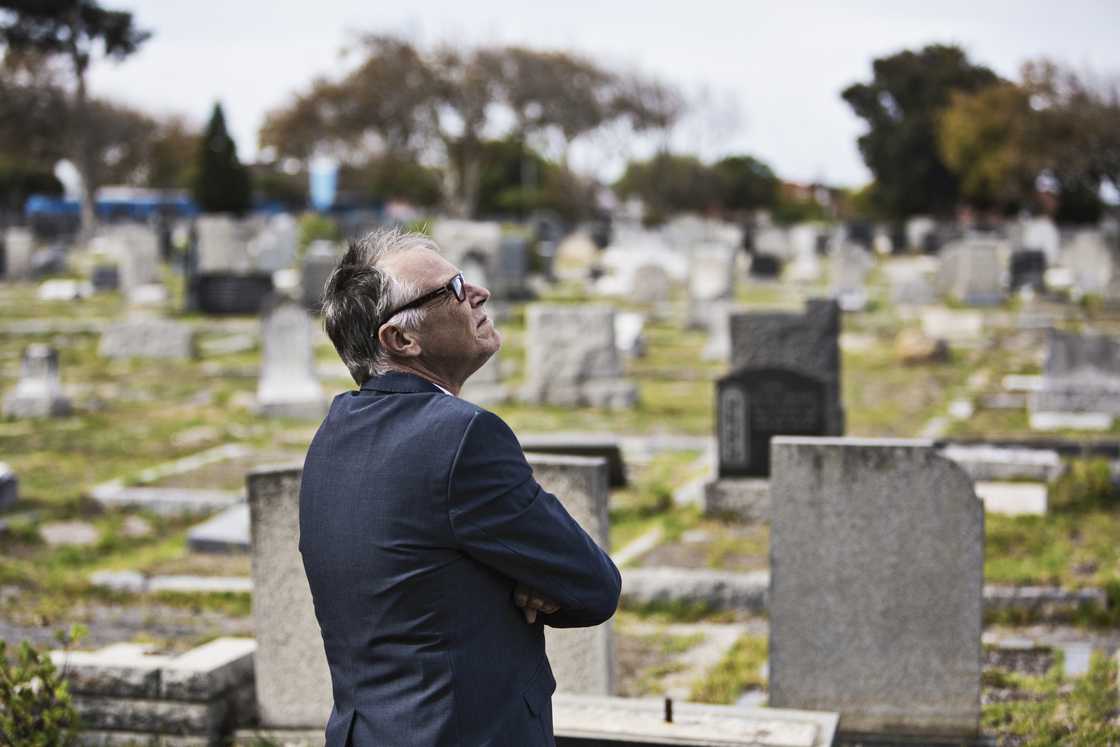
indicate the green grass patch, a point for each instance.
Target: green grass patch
{"x":739,"y":670}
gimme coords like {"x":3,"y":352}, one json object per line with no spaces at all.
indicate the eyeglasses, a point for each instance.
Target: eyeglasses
{"x":455,"y":286}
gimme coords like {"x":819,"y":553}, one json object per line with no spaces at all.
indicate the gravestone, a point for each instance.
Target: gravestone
{"x":292,"y":678}
{"x":711,"y":282}
{"x":1041,"y":235}
{"x":805,"y":266}
{"x":919,"y":231}
{"x":222,"y":244}
{"x":971,"y":271}
{"x":19,"y":245}
{"x":771,"y":241}
{"x":1028,"y":270}
{"x":9,"y":487}
{"x":1093,"y":262}
{"x":274,"y":248}
{"x":148,"y":337}
{"x":105,"y":277}
{"x":651,"y":284}
{"x":512,"y":270}
{"x":850,"y":265}
{"x":1081,"y":375}
{"x":754,"y":405}
{"x":912,"y":281}
{"x":38,"y":393}
{"x":318,"y":264}
{"x":136,"y":249}
{"x":766,"y":266}
{"x":572,"y":359}
{"x":807,"y":344}
{"x":288,"y":386}
{"x":485,"y":386}
{"x":629,"y":327}
{"x":486,"y":257}
{"x":581,"y":658}
{"x":876,"y":584}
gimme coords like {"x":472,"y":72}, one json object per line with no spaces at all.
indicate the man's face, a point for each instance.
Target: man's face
{"x":454,"y":334}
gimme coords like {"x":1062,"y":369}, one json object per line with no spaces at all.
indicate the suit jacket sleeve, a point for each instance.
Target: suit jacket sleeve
{"x":504,"y":519}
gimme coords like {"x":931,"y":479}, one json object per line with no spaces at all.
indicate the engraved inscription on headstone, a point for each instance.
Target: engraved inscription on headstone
{"x":755,"y":405}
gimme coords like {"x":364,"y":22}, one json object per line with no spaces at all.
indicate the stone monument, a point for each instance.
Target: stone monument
{"x":1081,"y":377}
{"x":971,"y":271}
{"x":288,"y":386}
{"x":38,"y":393}
{"x":319,"y":262}
{"x":581,"y":658}
{"x":572,"y":359}
{"x":876,"y":582}
{"x":148,"y":337}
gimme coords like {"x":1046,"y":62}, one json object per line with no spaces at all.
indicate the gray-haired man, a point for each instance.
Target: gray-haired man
{"x":422,"y":529}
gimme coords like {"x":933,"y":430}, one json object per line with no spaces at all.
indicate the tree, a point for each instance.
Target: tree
{"x":171,"y":155}
{"x":745,"y":184}
{"x":989,"y":140}
{"x":669,"y":183}
{"x":901,"y":106}
{"x":75,"y":30}
{"x":222,"y":184}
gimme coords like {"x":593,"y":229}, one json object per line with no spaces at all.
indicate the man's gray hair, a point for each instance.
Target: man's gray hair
{"x":358,"y":295}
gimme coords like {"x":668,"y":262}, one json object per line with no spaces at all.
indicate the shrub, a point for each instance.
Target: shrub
{"x":35,"y":705}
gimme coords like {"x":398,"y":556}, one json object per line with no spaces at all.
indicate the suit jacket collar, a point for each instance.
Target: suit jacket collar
{"x":401,"y":383}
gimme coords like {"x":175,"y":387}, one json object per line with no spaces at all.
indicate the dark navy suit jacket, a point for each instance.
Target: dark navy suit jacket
{"x":418,"y":516}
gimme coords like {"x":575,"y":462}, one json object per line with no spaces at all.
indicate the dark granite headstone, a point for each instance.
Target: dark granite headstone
{"x":231,"y":292}
{"x":1028,"y":269}
{"x":765,"y":266}
{"x":752,"y":406}
{"x":105,"y":278}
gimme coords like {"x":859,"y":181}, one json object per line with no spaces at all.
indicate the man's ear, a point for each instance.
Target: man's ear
{"x":398,"y":342}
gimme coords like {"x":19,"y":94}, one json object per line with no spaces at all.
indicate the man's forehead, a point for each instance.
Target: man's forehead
{"x":418,"y":264}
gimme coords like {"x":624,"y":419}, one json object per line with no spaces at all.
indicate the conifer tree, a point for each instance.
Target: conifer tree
{"x":222,"y":183}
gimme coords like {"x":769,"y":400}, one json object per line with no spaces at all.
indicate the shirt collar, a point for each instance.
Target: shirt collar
{"x":401,"y":382}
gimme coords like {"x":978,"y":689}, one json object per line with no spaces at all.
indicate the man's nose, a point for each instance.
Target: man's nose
{"x":476,"y":294}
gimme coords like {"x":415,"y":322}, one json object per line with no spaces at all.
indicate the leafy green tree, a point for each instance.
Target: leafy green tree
{"x":901,"y":106}
{"x":77,"y":31}
{"x":745,"y":183}
{"x":669,"y":183}
{"x":222,"y":184}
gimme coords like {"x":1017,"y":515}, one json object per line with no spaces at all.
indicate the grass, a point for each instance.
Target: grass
{"x":1053,"y":710}
{"x":739,"y":670}
{"x":648,"y":500}
{"x":669,"y":649}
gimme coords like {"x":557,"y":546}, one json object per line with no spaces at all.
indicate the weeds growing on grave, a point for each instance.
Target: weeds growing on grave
{"x":35,"y":705}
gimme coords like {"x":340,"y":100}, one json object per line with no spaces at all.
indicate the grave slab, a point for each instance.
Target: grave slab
{"x":996,"y":463}
{"x":146,"y":337}
{"x":1013,"y":498}
{"x":226,"y":532}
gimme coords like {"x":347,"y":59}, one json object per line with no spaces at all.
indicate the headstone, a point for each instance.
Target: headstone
{"x":918,"y":230}
{"x":971,"y":271}
{"x":850,"y":266}
{"x":288,"y":385}
{"x":105,"y":278}
{"x":795,"y":354}
{"x":486,"y":258}
{"x":486,"y":387}
{"x":995,"y":463}
{"x":876,"y":589}
{"x":711,"y":280}
{"x":136,"y":249}
{"x":628,"y":333}
{"x":651,"y":284}
{"x":912,"y":281}
{"x":1028,"y":270}
{"x":772,"y":241}
{"x":805,"y":266}
{"x":756,"y":404}
{"x":274,"y":248}
{"x":512,"y":269}
{"x":1013,"y":498}
{"x":9,"y":487}
{"x":227,"y":292}
{"x":223,"y":244}
{"x":148,"y":337}
{"x":765,"y":266}
{"x":581,"y":658}
{"x":1081,"y":375}
{"x":38,"y":393}
{"x":1041,"y":235}
{"x":1094,"y":264}
{"x":19,"y":245}
{"x":572,"y":359}
{"x":591,"y":445}
{"x":292,"y":678}
{"x":318,"y":264}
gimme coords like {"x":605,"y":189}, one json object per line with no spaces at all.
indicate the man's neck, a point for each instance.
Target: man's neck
{"x":418,"y":369}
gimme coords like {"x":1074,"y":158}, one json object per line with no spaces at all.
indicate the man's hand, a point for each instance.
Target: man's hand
{"x":531,"y":602}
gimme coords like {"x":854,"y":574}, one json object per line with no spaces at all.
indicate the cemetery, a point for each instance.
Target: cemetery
{"x":150,"y":475}
{"x":855,"y":452}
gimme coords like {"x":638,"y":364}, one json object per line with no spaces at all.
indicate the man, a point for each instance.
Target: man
{"x":434,"y":557}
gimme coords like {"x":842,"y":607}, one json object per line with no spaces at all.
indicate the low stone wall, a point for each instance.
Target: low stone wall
{"x":125,"y":695}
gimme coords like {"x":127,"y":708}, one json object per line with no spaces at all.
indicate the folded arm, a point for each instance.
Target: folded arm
{"x":504,"y":519}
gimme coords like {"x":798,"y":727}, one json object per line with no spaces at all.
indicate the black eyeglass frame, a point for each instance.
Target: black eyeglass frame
{"x":456,"y":286}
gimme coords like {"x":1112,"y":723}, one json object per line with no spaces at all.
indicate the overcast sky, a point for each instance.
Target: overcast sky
{"x":772,"y":72}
